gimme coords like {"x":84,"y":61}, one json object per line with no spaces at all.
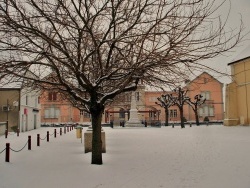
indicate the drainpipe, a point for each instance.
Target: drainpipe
{"x":246,"y":91}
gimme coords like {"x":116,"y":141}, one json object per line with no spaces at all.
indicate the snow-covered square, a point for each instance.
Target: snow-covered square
{"x":194,"y":157}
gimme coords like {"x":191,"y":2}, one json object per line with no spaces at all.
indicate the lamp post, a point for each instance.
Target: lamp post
{"x":7,"y":115}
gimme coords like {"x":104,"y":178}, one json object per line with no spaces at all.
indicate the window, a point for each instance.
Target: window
{"x":137,"y":96}
{"x":153,"y":99}
{"x":81,"y":112}
{"x":52,"y":96}
{"x":121,"y":113}
{"x":173,"y":113}
{"x":51,"y":112}
{"x":206,"y":95}
{"x":206,"y":111}
{"x":27,"y":100}
{"x":86,"y":114}
{"x":127,"y":98}
{"x":36,"y":101}
{"x":152,"y":114}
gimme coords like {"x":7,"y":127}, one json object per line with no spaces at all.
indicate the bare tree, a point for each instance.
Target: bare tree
{"x":166,"y":102}
{"x":179,"y":99}
{"x":198,"y":101}
{"x":105,"y":47}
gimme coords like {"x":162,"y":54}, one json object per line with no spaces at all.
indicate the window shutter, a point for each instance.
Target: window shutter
{"x":46,"y":113}
{"x":54,"y":96}
{"x":50,"y":96}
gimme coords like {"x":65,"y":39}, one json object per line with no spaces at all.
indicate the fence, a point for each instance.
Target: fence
{"x":8,"y":148}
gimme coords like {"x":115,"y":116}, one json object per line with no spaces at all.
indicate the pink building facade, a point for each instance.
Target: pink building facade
{"x":56,"y":110}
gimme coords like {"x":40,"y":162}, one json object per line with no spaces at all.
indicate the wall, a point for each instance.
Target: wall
{"x":238,"y":94}
{"x":10,"y":96}
{"x":231,"y":112}
{"x":29,"y":110}
{"x":206,"y":83}
{"x":146,"y":106}
{"x":66,"y":112}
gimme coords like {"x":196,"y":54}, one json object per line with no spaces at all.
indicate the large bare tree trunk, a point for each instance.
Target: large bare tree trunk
{"x":96,"y":139}
{"x":182,"y":118}
{"x":96,"y":117}
{"x":197,"y":118}
{"x":166,"y":117}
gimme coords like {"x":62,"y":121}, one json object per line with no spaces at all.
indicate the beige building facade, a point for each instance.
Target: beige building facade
{"x":237,"y":102}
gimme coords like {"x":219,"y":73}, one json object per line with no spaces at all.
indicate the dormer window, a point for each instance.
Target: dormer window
{"x":52,"y":96}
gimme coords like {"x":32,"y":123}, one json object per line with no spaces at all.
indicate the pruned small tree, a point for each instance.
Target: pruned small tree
{"x":105,"y":47}
{"x":198,"y":101}
{"x":165,"y":101}
{"x":179,"y":99}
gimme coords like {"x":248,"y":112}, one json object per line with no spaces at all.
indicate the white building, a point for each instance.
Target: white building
{"x":19,"y":106}
{"x":29,"y":110}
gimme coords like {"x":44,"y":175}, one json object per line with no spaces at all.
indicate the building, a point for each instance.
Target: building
{"x":212,"y":90}
{"x":204,"y":84}
{"x":237,"y":102}
{"x":56,"y":110}
{"x":9,"y":112}
{"x":19,"y":108}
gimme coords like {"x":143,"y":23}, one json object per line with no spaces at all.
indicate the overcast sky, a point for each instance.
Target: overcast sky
{"x":238,"y":8}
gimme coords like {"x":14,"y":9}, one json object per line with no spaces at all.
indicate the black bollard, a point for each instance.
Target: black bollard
{"x":29,"y":142}
{"x":47,"y":136}
{"x":7,"y":153}
{"x":112,"y":124}
{"x":6,"y":133}
{"x":38,"y":140}
{"x":18,"y":131}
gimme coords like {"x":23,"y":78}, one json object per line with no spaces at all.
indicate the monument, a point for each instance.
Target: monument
{"x":133,"y":119}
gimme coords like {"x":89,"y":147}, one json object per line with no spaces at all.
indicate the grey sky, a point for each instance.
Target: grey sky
{"x":238,"y":8}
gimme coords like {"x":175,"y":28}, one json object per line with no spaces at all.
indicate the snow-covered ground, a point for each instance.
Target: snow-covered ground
{"x":198,"y":157}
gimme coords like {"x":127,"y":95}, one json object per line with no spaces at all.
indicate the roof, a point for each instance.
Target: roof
{"x":6,"y":83}
{"x":10,"y":81}
{"x":245,"y":54}
{"x":201,"y":75}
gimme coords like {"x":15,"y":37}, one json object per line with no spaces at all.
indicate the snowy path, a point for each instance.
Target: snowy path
{"x":197,"y":157}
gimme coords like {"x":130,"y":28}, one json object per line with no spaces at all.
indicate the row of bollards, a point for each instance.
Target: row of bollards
{"x":68,"y":128}
{"x":7,"y":149}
